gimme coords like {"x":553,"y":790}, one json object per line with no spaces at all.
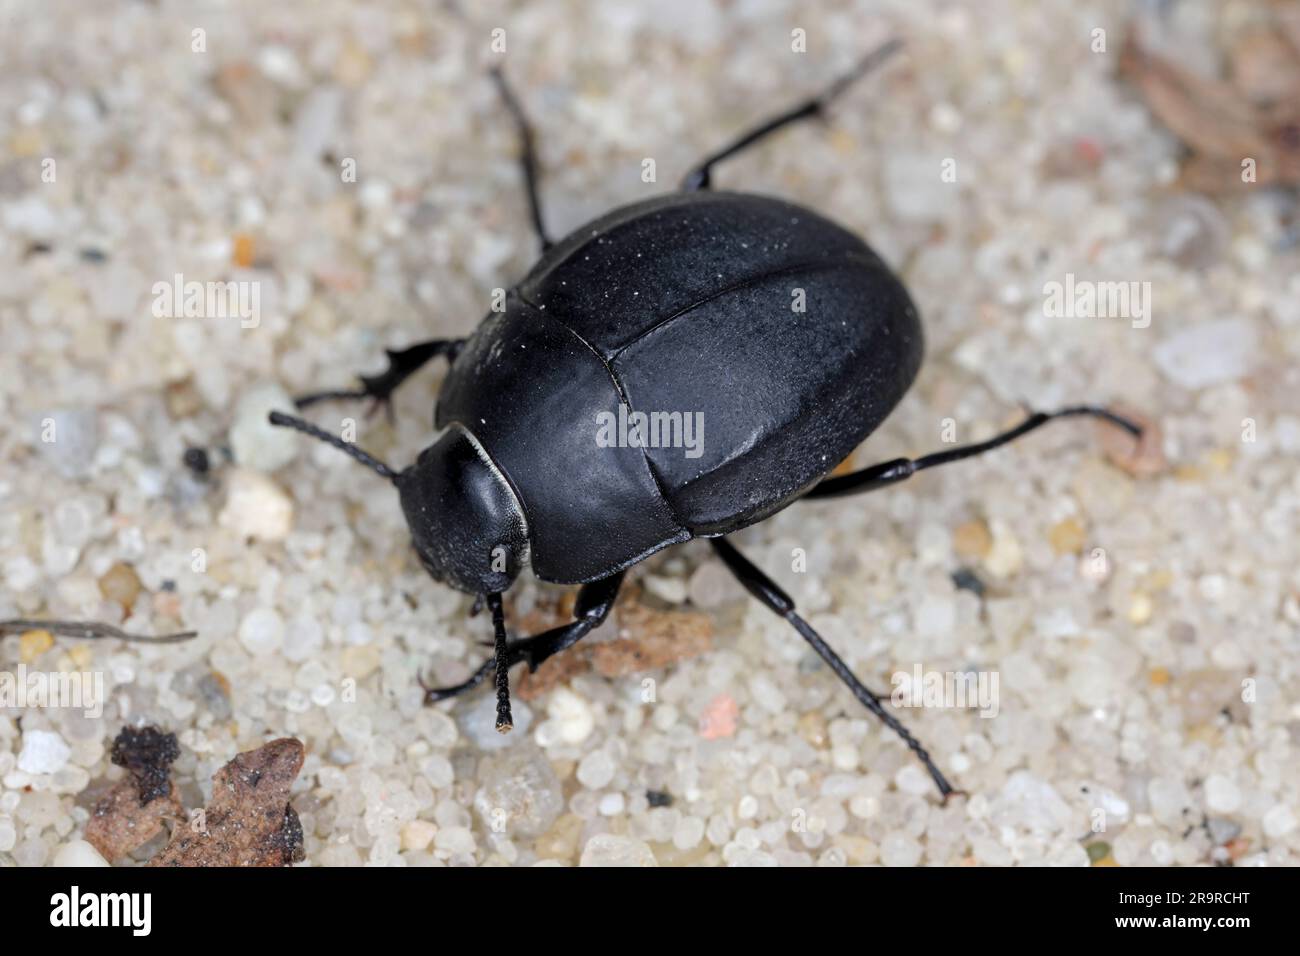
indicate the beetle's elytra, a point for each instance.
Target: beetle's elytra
{"x":680,"y":304}
{"x":786,"y":336}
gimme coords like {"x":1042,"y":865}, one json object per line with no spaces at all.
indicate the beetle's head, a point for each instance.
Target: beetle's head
{"x":466,"y":523}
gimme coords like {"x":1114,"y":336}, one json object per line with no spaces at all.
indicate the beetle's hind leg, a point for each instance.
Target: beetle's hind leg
{"x":700,"y":176}
{"x":892,"y":472}
{"x":776,"y":600}
{"x":527,"y":154}
{"x":589,"y":611}
{"x":402,"y":364}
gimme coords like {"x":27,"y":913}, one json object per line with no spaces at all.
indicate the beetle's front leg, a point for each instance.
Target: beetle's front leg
{"x":594,"y":603}
{"x":402,"y":364}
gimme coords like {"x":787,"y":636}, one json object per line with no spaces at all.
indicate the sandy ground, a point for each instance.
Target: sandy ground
{"x":352,"y":168}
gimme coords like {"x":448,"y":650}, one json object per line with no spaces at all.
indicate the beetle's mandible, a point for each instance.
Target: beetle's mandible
{"x":779,"y":330}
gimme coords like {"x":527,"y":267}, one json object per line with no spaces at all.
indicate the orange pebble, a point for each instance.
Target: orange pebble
{"x":719,"y":718}
{"x":242,"y":254}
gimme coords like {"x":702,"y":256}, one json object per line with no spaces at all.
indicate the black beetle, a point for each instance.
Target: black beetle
{"x":678,"y":305}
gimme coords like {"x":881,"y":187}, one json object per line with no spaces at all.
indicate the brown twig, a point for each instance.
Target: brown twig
{"x":91,"y":630}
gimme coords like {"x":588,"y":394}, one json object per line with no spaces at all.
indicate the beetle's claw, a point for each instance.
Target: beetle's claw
{"x":380,"y":401}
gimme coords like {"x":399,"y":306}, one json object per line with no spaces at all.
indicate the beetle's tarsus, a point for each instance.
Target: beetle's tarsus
{"x":402,"y":364}
{"x":590,"y":610}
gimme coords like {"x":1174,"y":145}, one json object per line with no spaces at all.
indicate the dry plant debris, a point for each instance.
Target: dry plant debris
{"x":1252,"y":115}
{"x":249,"y":821}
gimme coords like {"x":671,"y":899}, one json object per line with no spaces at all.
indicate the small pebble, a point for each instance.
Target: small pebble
{"x":256,"y":507}
{"x":972,"y":540}
{"x":1140,"y":608}
{"x":455,"y":840}
{"x":912,"y":779}
{"x":688,"y":833}
{"x":78,"y":853}
{"x":1222,"y":830}
{"x":196,"y":460}
{"x":899,"y":850}
{"x":1005,"y":557}
{"x":418,"y":834}
{"x":519,"y":791}
{"x":574,"y":720}
{"x":121,"y":585}
{"x":261,"y":631}
{"x":1066,"y":537}
{"x":596,"y":770}
{"x":608,"y":849}
{"x":719,"y":719}
{"x":1209,"y":353}
{"x":68,"y":440}
{"x":1190,"y":230}
{"x":964,"y":579}
{"x":612,"y":804}
{"x":670,"y":590}
{"x":1278,"y":821}
{"x":712,"y":585}
{"x":1222,"y":795}
{"x":33,"y":644}
{"x":254,"y":441}
{"x":43,"y":752}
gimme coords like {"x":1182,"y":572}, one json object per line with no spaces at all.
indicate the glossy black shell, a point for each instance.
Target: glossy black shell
{"x":681,"y":303}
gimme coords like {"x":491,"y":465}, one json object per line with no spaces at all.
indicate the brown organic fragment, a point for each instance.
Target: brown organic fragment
{"x":147,"y":753}
{"x":120,"y":823}
{"x":249,"y":821}
{"x":649,"y":638}
{"x":1140,"y":457}
{"x":554,"y":672}
{"x":655,"y":639}
{"x":1218,"y":121}
{"x":136,"y":809}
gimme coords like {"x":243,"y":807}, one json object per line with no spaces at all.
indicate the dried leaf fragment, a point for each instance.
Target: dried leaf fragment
{"x":249,"y":821}
{"x":1223,"y":128}
{"x":136,"y":809}
{"x":120,"y":824}
{"x":652,"y":639}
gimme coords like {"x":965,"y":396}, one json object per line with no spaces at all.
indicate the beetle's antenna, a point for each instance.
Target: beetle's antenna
{"x":505,"y":722}
{"x":865,"y":65}
{"x":307,"y":428}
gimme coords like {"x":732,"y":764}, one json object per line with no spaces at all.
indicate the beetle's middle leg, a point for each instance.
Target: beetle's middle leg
{"x":402,"y":364}
{"x":892,"y":472}
{"x":595,"y":600}
{"x":699,"y":177}
{"x":776,"y":600}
